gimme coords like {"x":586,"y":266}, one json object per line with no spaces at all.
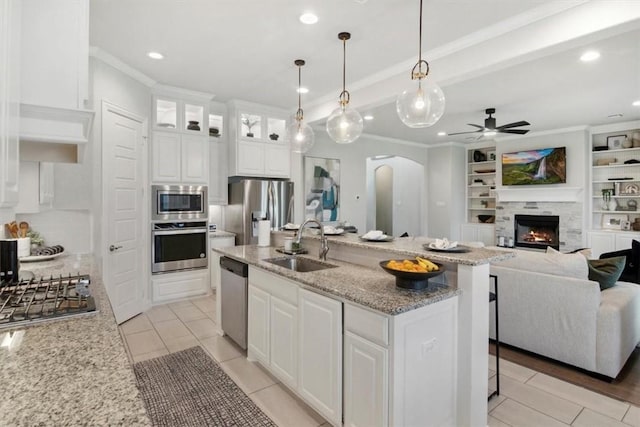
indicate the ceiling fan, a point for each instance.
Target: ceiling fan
{"x":490,"y":128}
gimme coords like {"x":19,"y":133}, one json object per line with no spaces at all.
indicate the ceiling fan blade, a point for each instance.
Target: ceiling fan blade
{"x":477,"y":126}
{"x":516,"y":131}
{"x":462,"y":133}
{"x":513,"y":125}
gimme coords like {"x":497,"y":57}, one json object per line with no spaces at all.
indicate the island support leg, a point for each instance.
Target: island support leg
{"x":473,"y":344}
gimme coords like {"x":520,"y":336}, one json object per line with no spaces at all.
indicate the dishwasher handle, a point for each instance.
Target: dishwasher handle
{"x":236,"y":267}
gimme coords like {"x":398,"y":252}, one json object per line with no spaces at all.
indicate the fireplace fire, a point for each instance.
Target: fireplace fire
{"x":537,"y":231}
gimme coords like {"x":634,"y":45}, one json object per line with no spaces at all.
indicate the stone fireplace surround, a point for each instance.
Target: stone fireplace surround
{"x":570,"y":213}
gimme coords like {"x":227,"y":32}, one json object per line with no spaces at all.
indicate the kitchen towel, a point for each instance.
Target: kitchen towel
{"x":264,"y":233}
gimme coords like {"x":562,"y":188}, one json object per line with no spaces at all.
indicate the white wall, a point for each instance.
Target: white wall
{"x":353,"y":185}
{"x":69,"y":228}
{"x":446,"y":177}
{"x":108,"y":84}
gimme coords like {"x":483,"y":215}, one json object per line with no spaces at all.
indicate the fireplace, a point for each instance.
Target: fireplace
{"x":537,"y":231}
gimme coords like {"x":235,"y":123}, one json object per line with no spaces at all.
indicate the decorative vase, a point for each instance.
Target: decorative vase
{"x":613,"y":205}
{"x":250,"y":134}
{"x":193,"y":125}
{"x":274,"y":136}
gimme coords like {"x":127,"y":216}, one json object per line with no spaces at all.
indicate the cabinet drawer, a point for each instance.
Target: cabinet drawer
{"x":274,"y":285}
{"x":369,"y":325}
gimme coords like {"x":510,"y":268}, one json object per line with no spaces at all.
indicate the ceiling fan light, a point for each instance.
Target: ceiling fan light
{"x":422,"y":107}
{"x":344,"y":125}
{"x":490,"y":133}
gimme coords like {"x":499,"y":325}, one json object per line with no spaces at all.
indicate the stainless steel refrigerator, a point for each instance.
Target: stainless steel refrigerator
{"x":252,"y":200}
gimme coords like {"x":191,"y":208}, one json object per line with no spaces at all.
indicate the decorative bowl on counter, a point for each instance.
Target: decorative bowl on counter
{"x":410,"y":279}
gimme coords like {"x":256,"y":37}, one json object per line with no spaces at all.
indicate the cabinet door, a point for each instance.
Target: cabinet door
{"x":601,"y":242}
{"x":165,"y":157}
{"x":218,"y":174}
{"x":258,"y":325}
{"x":365,"y":383}
{"x":623,"y":240}
{"x":195,"y":159}
{"x":320,"y":356}
{"x":284,"y":341}
{"x":277,"y":161}
{"x":250,"y":158}
{"x":487,"y":234}
{"x":469,"y":233}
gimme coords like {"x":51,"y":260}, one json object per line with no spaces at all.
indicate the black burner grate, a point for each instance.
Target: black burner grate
{"x":44,"y":298}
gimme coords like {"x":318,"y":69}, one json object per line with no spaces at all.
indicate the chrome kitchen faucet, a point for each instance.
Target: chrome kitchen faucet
{"x":324,"y":243}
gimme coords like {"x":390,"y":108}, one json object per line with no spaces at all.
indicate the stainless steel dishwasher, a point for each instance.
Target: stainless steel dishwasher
{"x":233,"y":291}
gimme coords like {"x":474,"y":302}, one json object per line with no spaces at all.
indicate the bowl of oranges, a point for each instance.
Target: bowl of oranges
{"x":412,"y":273}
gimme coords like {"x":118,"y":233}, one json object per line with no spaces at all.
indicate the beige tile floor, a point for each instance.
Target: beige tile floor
{"x":527,"y":398}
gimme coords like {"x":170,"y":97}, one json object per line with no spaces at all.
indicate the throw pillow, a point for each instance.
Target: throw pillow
{"x":606,"y":271}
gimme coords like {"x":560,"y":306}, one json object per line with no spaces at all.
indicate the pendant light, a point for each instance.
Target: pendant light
{"x":299,"y":134}
{"x":423,"y":106}
{"x":344,"y":124}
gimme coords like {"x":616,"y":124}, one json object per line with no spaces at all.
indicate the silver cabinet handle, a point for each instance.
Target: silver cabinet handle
{"x":114,"y":248}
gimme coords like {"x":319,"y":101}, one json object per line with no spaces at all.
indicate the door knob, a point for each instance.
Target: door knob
{"x":114,"y":248}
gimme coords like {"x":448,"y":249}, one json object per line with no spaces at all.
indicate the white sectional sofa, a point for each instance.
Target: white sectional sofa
{"x":549,"y":306}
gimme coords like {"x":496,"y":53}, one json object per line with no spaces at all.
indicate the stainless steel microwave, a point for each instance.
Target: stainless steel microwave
{"x":179,"y":202}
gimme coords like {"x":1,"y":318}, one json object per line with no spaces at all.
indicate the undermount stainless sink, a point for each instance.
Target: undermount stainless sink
{"x":301,"y":265}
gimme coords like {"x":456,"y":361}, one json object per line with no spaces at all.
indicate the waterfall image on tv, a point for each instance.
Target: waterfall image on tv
{"x":547,"y":166}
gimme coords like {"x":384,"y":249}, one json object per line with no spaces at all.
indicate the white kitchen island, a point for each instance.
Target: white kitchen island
{"x":363,"y":352}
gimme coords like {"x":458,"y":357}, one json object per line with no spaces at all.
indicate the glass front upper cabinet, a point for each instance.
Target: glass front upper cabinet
{"x":251,"y":126}
{"x":215,"y":125}
{"x":276,"y":129}
{"x":194,"y":117}
{"x":166,"y":114}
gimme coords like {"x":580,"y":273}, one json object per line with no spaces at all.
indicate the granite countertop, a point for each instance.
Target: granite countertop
{"x":221,"y":233}
{"x":71,"y":371}
{"x":412,"y":246}
{"x":371,"y":288}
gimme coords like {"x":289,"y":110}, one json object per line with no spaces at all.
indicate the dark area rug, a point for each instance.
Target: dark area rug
{"x":188,"y":388}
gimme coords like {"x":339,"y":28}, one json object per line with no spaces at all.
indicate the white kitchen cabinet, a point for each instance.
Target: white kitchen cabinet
{"x":365,"y":383}
{"x":256,"y":141}
{"x":180,"y":112}
{"x":258,"y":325}
{"x":284,"y":341}
{"x":55,"y":38}
{"x":320,"y":375}
{"x":602,"y":242}
{"x":178,"y":285}
{"x":485,"y":233}
{"x":179,"y":158}
{"x":10,"y":17}
{"x":273,"y":324}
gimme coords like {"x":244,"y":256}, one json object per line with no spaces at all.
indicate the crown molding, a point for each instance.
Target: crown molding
{"x":116,"y":63}
{"x":543,"y":133}
{"x":160,"y":88}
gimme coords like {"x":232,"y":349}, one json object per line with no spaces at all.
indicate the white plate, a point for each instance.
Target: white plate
{"x":33,"y":258}
{"x":291,"y":227}
{"x":385,"y":239}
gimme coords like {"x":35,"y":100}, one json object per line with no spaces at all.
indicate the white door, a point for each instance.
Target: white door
{"x":320,"y":357}
{"x":124,"y":247}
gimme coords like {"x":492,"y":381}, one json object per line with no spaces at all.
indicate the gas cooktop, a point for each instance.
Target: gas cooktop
{"x":36,"y":300}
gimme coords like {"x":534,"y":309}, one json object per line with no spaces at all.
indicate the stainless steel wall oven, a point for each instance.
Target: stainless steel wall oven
{"x":178,"y":246}
{"x":179,"y":203}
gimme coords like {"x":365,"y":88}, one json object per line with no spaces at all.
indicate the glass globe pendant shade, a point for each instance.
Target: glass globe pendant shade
{"x":299,"y":136}
{"x":421,"y":105}
{"x":344,"y":125}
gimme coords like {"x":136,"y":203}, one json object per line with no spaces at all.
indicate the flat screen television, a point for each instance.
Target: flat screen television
{"x":546,"y":166}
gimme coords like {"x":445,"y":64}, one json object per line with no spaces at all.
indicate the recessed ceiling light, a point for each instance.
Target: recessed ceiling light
{"x":308,"y":18}
{"x":442,"y":133}
{"x":302,"y":89}
{"x":155,"y":55}
{"x":636,"y":103}
{"x":615,"y":116}
{"x":368,"y":117}
{"x":589,"y":56}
